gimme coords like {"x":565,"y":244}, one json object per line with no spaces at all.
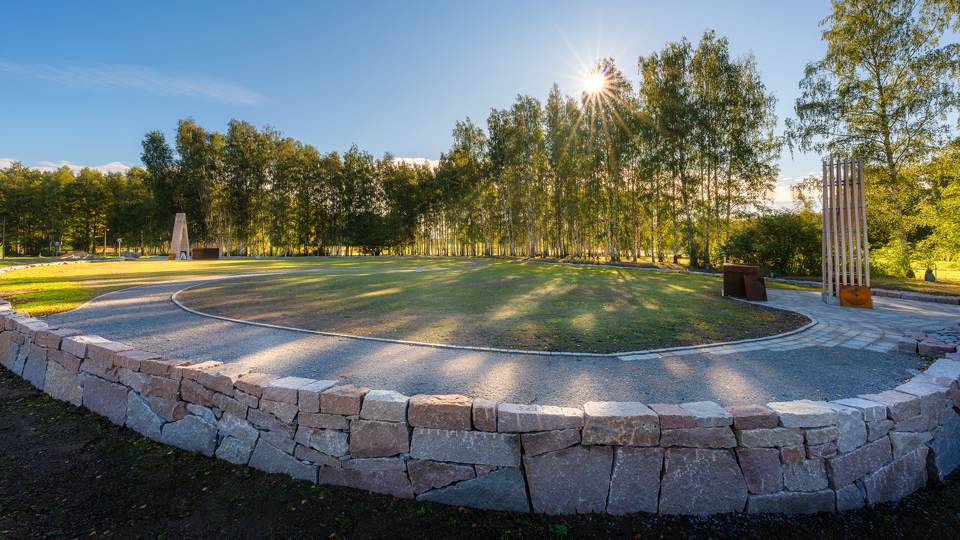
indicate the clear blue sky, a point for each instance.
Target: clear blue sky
{"x":81,"y":82}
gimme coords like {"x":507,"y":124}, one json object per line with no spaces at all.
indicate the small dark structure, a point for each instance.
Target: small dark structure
{"x":206,"y":253}
{"x":756,"y":288}
{"x":733,"y":282}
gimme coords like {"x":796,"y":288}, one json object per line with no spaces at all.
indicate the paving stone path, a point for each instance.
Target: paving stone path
{"x":845,"y":353}
{"x":876,"y":329}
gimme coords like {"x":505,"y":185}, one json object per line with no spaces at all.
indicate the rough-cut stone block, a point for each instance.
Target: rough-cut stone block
{"x":304,"y":453}
{"x":285,"y":412}
{"x":844,"y":469}
{"x":308,"y":397}
{"x":475,"y":447}
{"x":821,"y":435}
{"x":849,"y":498}
{"x":273,"y":460}
{"x":701,"y":482}
{"x":427,"y":475}
{"x":162,"y":387}
{"x":620,"y":424}
{"x":378,"y":464}
{"x":635,"y":483}
{"x":133,"y":359}
{"x":393,"y":483}
{"x":192,"y":434}
{"x":822,"y":451}
{"x":907,"y":345}
{"x":570,"y":481}
{"x":944,"y":455}
{"x":852,"y":430}
{"x":194,"y":392}
{"x":51,"y":338}
{"x":322,"y":421}
{"x":279,"y":441}
{"x":787,"y":502}
{"x":804,"y":414}
{"x":899,"y":406}
{"x":753,"y":417}
{"x":698,"y":437}
{"x":945,"y":368}
{"x":102,"y":352}
{"x":235,"y":451}
{"x":142,"y":419}
{"x":541,"y":442}
{"x":264,"y":421}
{"x":253,"y":383}
{"x":871,"y":410}
{"x":673,"y":416}
{"x":168,"y":409}
{"x":62,"y":384}
{"x":18,"y":357}
{"x":133,"y":380}
{"x":104,"y":398}
{"x":77,"y":345}
{"x":234,"y":407}
{"x":950,"y":384}
{"x":193,"y":371}
{"x":203,"y":412}
{"x":761,"y":469}
{"x":793,"y":454}
{"x":768,"y":438}
{"x":67,"y":361}
{"x":35,"y":367}
{"x":171,"y":369}
{"x":216,"y":382}
{"x":285,"y":389}
{"x":903,"y":443}
{"x":708,"y":414}
{"x":385,"y":405}
{"x":330,"y":442}
{"x":246,"y":399}
{"x":513,"y":418}
{"x":807,"y":475}
{"x":240,"y":429}
{"x":878,"y":429}
{"x":372,"y":438}
{"x":344,"y":400}
{"x":898,"y":479}
{"x":502,"y":490}
{"x":935,"y":349}
{"x":485,"y":415}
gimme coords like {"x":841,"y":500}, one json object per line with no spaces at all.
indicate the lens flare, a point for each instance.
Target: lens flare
{"x":594,"y":83}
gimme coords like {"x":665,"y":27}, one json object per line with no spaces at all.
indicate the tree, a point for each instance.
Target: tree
{"x":882,"y":92}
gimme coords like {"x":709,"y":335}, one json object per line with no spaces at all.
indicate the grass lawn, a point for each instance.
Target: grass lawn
{"x":47,"y":290}
{"x":68,"y":473}
{"x":506,"y":305}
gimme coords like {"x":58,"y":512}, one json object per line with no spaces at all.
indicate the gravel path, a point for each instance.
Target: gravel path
{"x":145,"y":317}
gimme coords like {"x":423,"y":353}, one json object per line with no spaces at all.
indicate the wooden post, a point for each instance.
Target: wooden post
{"x":846,"y":250}
{"x":825,"y":269}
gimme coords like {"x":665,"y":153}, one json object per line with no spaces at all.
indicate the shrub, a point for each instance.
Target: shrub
{"x":780,"y":241}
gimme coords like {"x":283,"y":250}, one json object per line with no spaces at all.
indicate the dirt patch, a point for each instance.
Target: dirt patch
{"x":66,"y":473}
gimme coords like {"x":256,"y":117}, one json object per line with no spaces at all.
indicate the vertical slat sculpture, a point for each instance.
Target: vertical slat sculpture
{"x":180,"y":245}
{"x":846,"y":253}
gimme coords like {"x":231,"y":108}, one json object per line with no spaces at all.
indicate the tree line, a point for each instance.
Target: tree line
{"x":616,"y":172}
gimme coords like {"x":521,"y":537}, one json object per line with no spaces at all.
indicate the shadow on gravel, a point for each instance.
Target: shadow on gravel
{"x":66,"y":473}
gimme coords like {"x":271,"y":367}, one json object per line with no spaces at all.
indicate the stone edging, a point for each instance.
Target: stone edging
{"x":619,"y":458}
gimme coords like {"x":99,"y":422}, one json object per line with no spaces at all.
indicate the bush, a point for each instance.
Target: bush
{"x":889,"y":261}
{"x":780,"y":241}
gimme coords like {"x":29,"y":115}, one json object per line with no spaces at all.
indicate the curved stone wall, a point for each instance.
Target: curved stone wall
{"x":619,"y":458}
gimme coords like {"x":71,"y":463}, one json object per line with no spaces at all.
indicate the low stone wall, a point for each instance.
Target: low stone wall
{"x":619,"y":458}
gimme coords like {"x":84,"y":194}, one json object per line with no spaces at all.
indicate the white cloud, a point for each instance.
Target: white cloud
{"x":434,"y":163}
{"x":115,"y":166}
{"x":122,"y":76}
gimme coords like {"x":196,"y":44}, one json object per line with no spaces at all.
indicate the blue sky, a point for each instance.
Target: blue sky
{"x":81,"y":82}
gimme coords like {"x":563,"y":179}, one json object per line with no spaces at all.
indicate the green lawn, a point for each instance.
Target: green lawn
{"x":53,"y":289}
{"x":506,"y":305}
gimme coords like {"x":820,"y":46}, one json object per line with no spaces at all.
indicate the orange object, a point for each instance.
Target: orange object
{"x":856,"y":296}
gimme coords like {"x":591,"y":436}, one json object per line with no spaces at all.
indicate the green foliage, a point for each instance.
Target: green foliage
{"x":890,"y":261}
{"x":781,"y":241}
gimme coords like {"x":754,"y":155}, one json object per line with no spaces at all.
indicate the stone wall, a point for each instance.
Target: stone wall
{"x":619,"y":458}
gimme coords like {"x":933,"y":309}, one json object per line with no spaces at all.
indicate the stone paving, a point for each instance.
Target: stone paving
{"x":876,"y":329}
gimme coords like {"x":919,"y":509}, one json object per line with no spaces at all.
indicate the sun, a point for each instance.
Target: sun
{"x":594,"y":83}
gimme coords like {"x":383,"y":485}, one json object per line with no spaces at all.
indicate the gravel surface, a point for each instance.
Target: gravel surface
{"x":146,"y":318}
